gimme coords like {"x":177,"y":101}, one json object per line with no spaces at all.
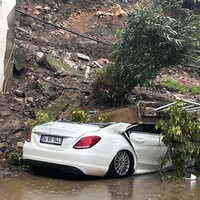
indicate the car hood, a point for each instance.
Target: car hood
{"x":64,"y":129}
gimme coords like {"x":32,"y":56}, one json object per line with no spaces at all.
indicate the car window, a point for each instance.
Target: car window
{"x":147,"y":128}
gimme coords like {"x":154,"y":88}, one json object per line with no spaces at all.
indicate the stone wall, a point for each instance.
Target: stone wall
{"x":7,"y":24}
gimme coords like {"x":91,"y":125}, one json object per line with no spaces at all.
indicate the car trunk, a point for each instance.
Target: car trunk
{"x":59,"y":135}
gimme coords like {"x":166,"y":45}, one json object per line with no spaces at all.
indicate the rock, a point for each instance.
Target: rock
{"x":19,"y":93}
{"x":36,"y":12}
{"x":33,"y":48}
{"x":87,"y":43}
{"x":48,"y":89}
{"x":32,"y":84}
{"x":46,"y":8}
{"x":38,"y":7}
{"x":102,"y":61}
{"x":54,"y":64}
{"x":83,"y":57}
{"x":29,"y":99}
{"x":47,"y":17}
{"x":20,"y":61}
{"x":3,"y":146}
{"x":19,"y":146}
{"x":39,"y":57}
{"x":57,"y":108}
{"x":18,"y":100}
{"x":87,"y":72}
{"x":4,"y":113}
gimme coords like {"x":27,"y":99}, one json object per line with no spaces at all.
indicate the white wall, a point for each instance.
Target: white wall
{"x":5,"y":8}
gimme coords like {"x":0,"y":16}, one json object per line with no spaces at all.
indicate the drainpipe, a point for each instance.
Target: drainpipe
{"x":7,"y":33}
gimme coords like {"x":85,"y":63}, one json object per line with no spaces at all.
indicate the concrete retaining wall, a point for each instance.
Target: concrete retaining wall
{"x":7,"y":24}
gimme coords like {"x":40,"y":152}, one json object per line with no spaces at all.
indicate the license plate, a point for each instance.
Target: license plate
{"x":51,"y":139}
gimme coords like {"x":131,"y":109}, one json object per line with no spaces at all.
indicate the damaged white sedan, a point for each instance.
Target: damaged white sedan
{"x":117,"y":149}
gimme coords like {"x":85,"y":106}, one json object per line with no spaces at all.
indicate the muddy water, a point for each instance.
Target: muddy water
{"x":143,"y":187}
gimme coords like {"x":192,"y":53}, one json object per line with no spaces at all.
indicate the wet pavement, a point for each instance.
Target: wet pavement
{"x":62,"y":187}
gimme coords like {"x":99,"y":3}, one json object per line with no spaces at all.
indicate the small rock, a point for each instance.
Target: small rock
{"x":20,"y":61}
{"x":47,"y":17}
{"x":19,"y":93}
{"x":46,"y":8}
{"x":87,"y":73}
{"x":29,"y":99}
{"x":87,"y":43}
{"x":19,"y":146}
{"x":3,"y":146}
{"x":18,"y":100}
{"x":36,"y":12}
{"x":39,"y":57}
{"x":83,"y":56}
{"x":32,"y":47}
{"x":4,"y":113}
{"x":38,"y":7}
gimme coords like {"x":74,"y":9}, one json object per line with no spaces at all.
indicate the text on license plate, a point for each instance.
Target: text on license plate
{"x":51,"y":139}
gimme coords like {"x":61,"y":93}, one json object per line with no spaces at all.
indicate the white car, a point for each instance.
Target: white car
{"x":117,"y":149}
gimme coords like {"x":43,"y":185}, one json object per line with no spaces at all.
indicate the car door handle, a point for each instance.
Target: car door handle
{"x":140,"y":140}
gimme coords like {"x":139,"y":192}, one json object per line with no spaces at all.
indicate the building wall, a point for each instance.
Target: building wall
{"x":7,"y":24}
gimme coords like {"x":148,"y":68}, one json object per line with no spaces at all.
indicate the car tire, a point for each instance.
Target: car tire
{"x":121,"y":165}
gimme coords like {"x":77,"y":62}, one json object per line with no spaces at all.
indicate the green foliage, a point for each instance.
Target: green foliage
{"x":181,"y":135}
{"x":41,"y":117}
{"x":168,"y":3}
{"x":150,"y":42}
{"x":195,"y":90}
{"x":103,"y":117}
{"x":180,"y":5}
{"x":174,"y":85}
{"x":81,"y":117}
{"x":15,"y":158}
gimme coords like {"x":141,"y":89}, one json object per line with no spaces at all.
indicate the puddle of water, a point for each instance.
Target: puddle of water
{"x":144,"y":187}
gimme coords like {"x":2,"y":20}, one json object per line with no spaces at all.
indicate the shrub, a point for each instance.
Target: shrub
{"x":41,"y":117}
{"x":15,"y":158}
{"x":181,"y":135}
{"x":81,"y":117}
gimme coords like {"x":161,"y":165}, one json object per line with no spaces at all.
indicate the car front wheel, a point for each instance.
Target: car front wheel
{"x":121,"y":165}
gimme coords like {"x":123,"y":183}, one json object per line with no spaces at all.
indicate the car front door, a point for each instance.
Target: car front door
{"x":148,"y":145}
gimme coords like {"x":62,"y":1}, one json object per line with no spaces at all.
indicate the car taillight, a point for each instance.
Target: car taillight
{"x":28,"y":136}
{"x":87,"y":142}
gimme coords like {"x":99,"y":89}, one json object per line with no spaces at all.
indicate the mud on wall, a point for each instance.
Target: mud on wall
{"x":7,"y":24}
